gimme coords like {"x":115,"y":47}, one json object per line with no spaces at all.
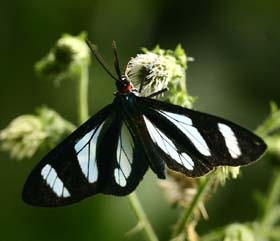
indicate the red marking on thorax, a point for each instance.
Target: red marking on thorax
{"x":127,"y":88}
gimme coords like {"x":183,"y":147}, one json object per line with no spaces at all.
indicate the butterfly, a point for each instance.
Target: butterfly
{"x":111,"y":152}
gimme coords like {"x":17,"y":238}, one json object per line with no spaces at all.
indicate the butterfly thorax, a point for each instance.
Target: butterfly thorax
{"x":124,"y":86}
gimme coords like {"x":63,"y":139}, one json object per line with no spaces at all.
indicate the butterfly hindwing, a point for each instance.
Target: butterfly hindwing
{"x":175,"y":156}
{"x":193,"y":142}
{"x":129,"y":162}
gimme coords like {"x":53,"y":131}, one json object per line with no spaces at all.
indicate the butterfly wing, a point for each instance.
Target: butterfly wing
{"x":129,"y":162}
{"x":194,"y":143}
{"x":101,"y":156}
{"x":70,"y":171}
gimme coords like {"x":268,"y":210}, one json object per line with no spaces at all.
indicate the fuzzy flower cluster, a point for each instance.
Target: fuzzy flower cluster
{"x":158,"y":69}
{"x":222,"y":173}
{"x":27,"y":133}
{"x":23,"y":136}
{"x":152,"y":69}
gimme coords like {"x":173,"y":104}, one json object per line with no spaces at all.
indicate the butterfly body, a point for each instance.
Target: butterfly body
{"x":111,"y":152}
{"x":133,"y":118}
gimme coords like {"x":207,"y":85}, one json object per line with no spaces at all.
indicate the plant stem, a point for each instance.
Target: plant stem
{"x":181,"y":224}
{"x":142,"y":218}
{"x":273,"y":196}
{"x":83,"y":93}
{"x":214,"y":235}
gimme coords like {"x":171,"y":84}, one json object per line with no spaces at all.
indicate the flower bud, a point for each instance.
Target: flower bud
{"x":64,"y":59}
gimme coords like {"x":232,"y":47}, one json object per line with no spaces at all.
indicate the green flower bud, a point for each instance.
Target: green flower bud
{"x":64,"y":59}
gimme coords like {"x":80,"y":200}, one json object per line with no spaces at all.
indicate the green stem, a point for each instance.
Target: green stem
{"x":83,"y":93}
{"x":273,"y":196}
{"x":273,"y":234}
{"x":142,"y":218}
{"x":185,"y":218}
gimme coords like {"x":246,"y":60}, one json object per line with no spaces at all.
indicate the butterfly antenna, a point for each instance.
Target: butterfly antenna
{"x":117,"y":62}
{"x":100,"y":59}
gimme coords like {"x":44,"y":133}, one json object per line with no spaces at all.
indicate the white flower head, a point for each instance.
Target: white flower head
{"x":153,"y":69}
{"x":159,"y":69}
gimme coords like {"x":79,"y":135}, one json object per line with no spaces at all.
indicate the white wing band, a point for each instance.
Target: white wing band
{"x":185,"y":125}
{"x":86,"y":154}
{"x":124,"y":157}
{"x":54,"y":182}
{"x":230,"y":139}
{"x":168,"y":146}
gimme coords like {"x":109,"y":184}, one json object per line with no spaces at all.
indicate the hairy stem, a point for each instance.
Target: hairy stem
{"x":142,"y":218}
{"x":83,"y":93}
{"x":186,"y":216}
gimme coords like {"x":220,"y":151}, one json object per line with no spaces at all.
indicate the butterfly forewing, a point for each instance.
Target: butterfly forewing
{"x":70,"y":172}
{"x":193,"y":142}
{"x":101,"y":156}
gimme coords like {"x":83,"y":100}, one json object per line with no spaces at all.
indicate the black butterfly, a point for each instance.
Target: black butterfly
{"x":111,"y":152}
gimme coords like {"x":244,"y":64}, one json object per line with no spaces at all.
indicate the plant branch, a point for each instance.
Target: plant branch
{"x":83,"y":93}
{"x":142,"y":218}
{"x":185,"y":218}
{"x":214,"y":235}
{"x":273,"y":196}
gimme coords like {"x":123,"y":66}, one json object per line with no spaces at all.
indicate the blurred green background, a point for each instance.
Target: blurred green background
{"x":235,"y":74}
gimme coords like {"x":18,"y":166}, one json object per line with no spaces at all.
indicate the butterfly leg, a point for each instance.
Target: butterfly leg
{"x":142,"y":82}
{"x":157,"y":93}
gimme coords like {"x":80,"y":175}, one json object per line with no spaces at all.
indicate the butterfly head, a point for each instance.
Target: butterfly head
{"x":124,"y":85}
